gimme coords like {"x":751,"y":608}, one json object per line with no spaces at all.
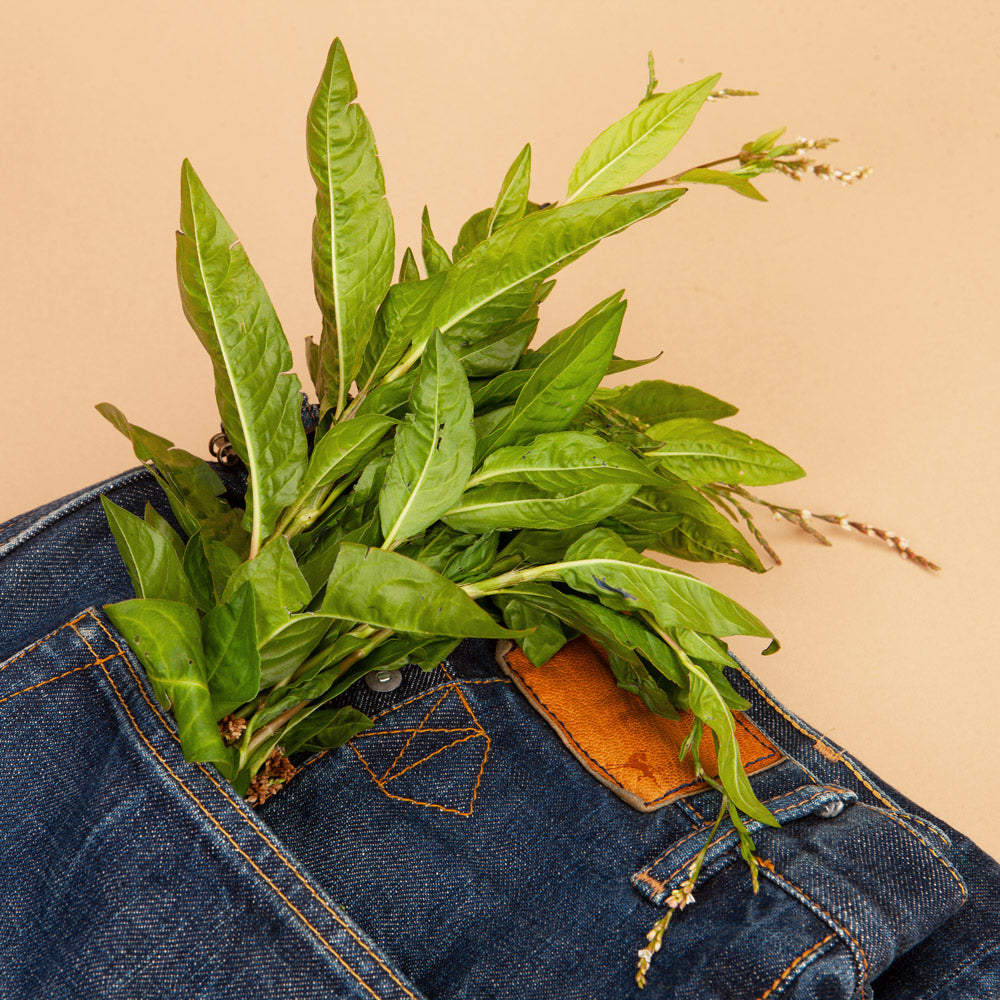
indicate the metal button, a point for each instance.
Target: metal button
{"x":830,"y":809}
{"x":384,"y":680}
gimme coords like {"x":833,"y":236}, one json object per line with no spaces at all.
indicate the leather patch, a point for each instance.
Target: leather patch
{"x":614,"y":735}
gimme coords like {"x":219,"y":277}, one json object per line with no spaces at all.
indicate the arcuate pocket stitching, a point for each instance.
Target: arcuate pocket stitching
{"x":201,"y":805}
{"x":42,"y":641}
{"x":796,"y":964}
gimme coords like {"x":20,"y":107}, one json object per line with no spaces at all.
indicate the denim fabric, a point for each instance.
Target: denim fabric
{"x":456,"y":850}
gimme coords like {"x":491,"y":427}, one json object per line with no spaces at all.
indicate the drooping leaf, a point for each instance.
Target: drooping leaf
{"x":600,"y":563}
{"x":512,"y":201}
{"x":388,"y":590}
{"x":434,"y":448}
{"x":342,"y":449}
{"x":546,"y":636}
{"x":228,"y":307}
{"x":166,"y":636}
{"x":654,"y":401}
{"x":192,"y":487}
{"x":328,"y":728}
{"x":353,"y":235}
{"x":700,"y":175}
{"x":561,"y":385}
{"x":700,"y":451}
{"x":435,"y":256}
{"x":506,"y":506}
{"x":232,"y":663}
{"x":150,"y":559}
{"x":624,"y":151}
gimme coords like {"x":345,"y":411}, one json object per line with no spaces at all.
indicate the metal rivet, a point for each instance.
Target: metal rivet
{"x":384,"y":680}
{"x":830,"y":809}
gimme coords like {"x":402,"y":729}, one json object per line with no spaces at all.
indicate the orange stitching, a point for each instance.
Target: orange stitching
{"x":417,"y":802}
{"x":814,"y":736}
{"x":425,"y":729}
{"x":237,"y":847}
{"x":454,"y":743}
{"x":722,"y":836}
{"x":788,"y":971}
{"x":913,"y":833}
{"x":449,"y":683}
{"x":433,"y":709}
{"x":772,"y":874}
{"x":45,"y":638}
{"x":246,"y":819}
{"x":86,"y":666}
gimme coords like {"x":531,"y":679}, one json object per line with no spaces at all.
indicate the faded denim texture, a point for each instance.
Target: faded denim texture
{"x":457,"y":850}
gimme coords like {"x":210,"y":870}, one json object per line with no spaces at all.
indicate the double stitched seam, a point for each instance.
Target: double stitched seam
{"x":284,"y":860}
{"x":842,"y":758}
{"x":51,"y":680}
{"x":795,"y":964}
{"x":771,"y":752}
{"x":861,"y":959}
{"x":44,"y":639}
{"x":949,"y":867}
{"x":728,"y":833}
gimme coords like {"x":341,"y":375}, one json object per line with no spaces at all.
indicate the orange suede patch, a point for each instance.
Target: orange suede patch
{"x":614,"y":735}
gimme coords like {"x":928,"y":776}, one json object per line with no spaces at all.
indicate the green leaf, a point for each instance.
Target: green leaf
{"x":700,"y":451}
{"x":279,"y":588}
{"x":150,"y":559}
{"x":474,"y":230}
{"x":222,"y":564}
{"x":199,"y":573}
{"x":512,"y":201}
{"x":473,"y":561}
{"x":388,"y":590}
{"x":546,"y":637}
{"x":160,"y":524}
{"x":654,"y":400}
{"x":166,"y":637}
{"x":565,"y":461}
{"x":191,"y":485}
{"x":342,"y":449}
{"x":624,"y":151}
{"x":506,"y":506}
{"x":353,"y":235}
{"x":435,"y":256}
{"x":287,"y":646}
{"x":526,"y":252}
{"x":232,"y":663}
{"x":701,"y":175}
{"x":434,"y":448}
{"x":328,"y":728}
{"x":763,"y":143}
{"x":561,"y":385}
{"x":226,"y":304}
{"x":600,"y":563}
{"x":496,"y":353}
{"x":408,"y":270}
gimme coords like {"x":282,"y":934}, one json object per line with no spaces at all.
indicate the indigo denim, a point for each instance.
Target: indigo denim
{"x":457,"y":850}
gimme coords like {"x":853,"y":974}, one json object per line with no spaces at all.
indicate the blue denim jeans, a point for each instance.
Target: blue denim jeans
{"x":457,"y":850}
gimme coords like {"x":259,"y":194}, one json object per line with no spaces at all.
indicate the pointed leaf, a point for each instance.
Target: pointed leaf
{"x":700,"y":451}
{"x":654,"y":401}
{"x":166,"y":637}
{"x":150,"y":559}
{"x":408,"y":268}
{"x":512,"y":201}
{"x":434,"y":448}
{"x":388,"y":590}
{"x":435,"y":256}
{"x":624,"y":151}
{"x":353,"y":235}
{"x":226,"y":304}
{"x":739,"y":184}
{"x":342,"y":449}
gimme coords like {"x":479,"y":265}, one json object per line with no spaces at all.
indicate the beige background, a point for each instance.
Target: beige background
{"x":855,"y":328}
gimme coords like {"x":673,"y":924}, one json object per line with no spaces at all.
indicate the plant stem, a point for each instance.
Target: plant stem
{"x":676,"y":177}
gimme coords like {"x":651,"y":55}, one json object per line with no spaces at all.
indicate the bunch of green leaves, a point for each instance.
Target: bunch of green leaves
{"x":460,"y":482}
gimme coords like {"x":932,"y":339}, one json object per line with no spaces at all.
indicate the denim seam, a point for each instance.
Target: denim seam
{"x":772,"y":752}
{"x":727,"y":833}
{"x":44,"y":639}
{"x":33,"y":687}
{"x":253,"y":826}
{"x":797,"y":965}
{"x":232,"y":841}
{"x":949,"y":867}
{"x":988,"y":949}
{"x":860,"y":958}
{"x":842,"y":756}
